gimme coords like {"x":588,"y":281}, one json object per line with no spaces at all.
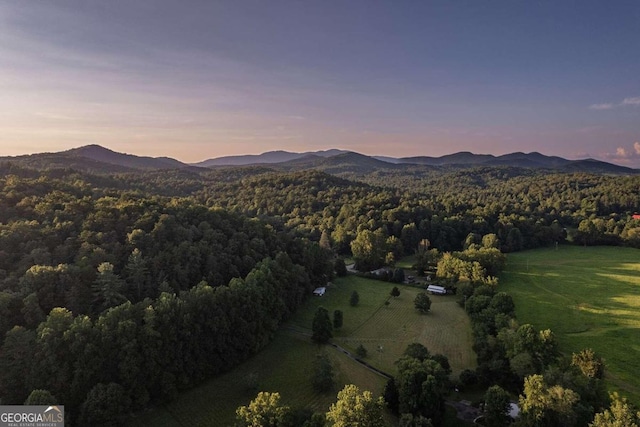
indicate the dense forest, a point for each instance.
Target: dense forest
{"x":128,"y":287}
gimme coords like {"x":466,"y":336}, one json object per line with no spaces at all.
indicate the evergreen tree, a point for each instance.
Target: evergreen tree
{"x":137,"y":275}
{"x":354,"y":299}
{"x":322,"y":380}
{"x":337,"y":319}
{"x":361,"y":351}
{"x":340,"y":267}
{"x":321,"y":326}
{"x":107,"y":288}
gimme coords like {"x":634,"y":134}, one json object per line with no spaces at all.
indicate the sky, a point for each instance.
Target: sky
{"x":195,"y":80}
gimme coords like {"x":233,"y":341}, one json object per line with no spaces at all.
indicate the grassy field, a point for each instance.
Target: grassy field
{"x":589,"y":297}
{"x":386,"y":330}
{"x":286,"y":364}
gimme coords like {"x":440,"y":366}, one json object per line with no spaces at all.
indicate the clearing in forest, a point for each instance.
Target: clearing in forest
{"x":286,"y":364}
{"x":589,"y":297}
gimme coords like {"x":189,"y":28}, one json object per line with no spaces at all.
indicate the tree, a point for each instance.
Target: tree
{"x":422,"y":303}
{"x":589,"y":363}
{"x":263,"y":411}
{"x":443,"y":361}
{"x":503,"y":303}
{"x":410,"y":237}
{"x":587,"y":232}
{"x":16,"y":359}
{"x":468,"y":377}
{"x":107,"y":288}
{"x":337,"y":319}
{"x":544,"y":405}
{"x":421,"y":387}
{"x":321,"y":326}
{"x":620,"y":414}
{"x":41,"y":397}
{"x":424,"y":259}
{"x":356,"y":408}
{"x":32,"y":312}
{"x":340,"y":267}
{"x":392,"y":396}
{"x":496,"y":406}
{"x":490,"y":241}
{"x":325,"y":241}
{"x":417,"y":351}
{"x":137,"y":274}
{"x":395,"y":292}
{"x":105,"y":405}
{"x":514,"y":240}
{"x":369,"y":249}
{"x":354,"y":299}
{"x":471,"y":241}
{"x":361,"y":351}
{"x":322,"y":379}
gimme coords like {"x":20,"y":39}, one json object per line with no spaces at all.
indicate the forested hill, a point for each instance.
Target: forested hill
{"x":96,"y":159}
{"x":109,"y":290}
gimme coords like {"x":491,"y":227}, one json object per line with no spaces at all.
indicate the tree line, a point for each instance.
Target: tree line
{"x":136,"y":353}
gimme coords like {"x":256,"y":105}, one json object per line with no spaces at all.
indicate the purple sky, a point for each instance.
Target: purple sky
{"x":200,"y":79}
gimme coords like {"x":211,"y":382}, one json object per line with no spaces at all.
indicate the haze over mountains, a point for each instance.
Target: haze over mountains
{"x":100,"y":159}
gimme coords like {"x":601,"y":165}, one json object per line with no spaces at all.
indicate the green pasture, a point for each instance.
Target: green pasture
{"x":286,"y":364}
{"x":589,"y":297}
{"x":386,"y":330}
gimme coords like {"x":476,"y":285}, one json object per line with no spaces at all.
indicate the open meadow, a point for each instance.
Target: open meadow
{"x":589,"y":297}
{"x":286,"y":364}
{"x":386,"y":330}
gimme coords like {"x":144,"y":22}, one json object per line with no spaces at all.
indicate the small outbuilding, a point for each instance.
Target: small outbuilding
{"x":435,"y":289}
{"x":319,"y":291}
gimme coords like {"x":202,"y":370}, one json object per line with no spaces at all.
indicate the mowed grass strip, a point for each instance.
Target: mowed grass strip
{"x":589,"y":297}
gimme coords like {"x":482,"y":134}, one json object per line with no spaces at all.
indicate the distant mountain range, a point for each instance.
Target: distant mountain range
{"x":98,"y":159}
{"x":336,"y":161}
{"x":269,"y":157}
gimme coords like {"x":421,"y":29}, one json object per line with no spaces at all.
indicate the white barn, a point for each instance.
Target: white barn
{"x":319,"y":291}
{"x":435,"y":289}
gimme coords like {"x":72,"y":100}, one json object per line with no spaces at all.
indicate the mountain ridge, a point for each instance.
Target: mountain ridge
{"x":268,"y":157}
{"x":105,"y":155}
{"x":335,"y":161}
